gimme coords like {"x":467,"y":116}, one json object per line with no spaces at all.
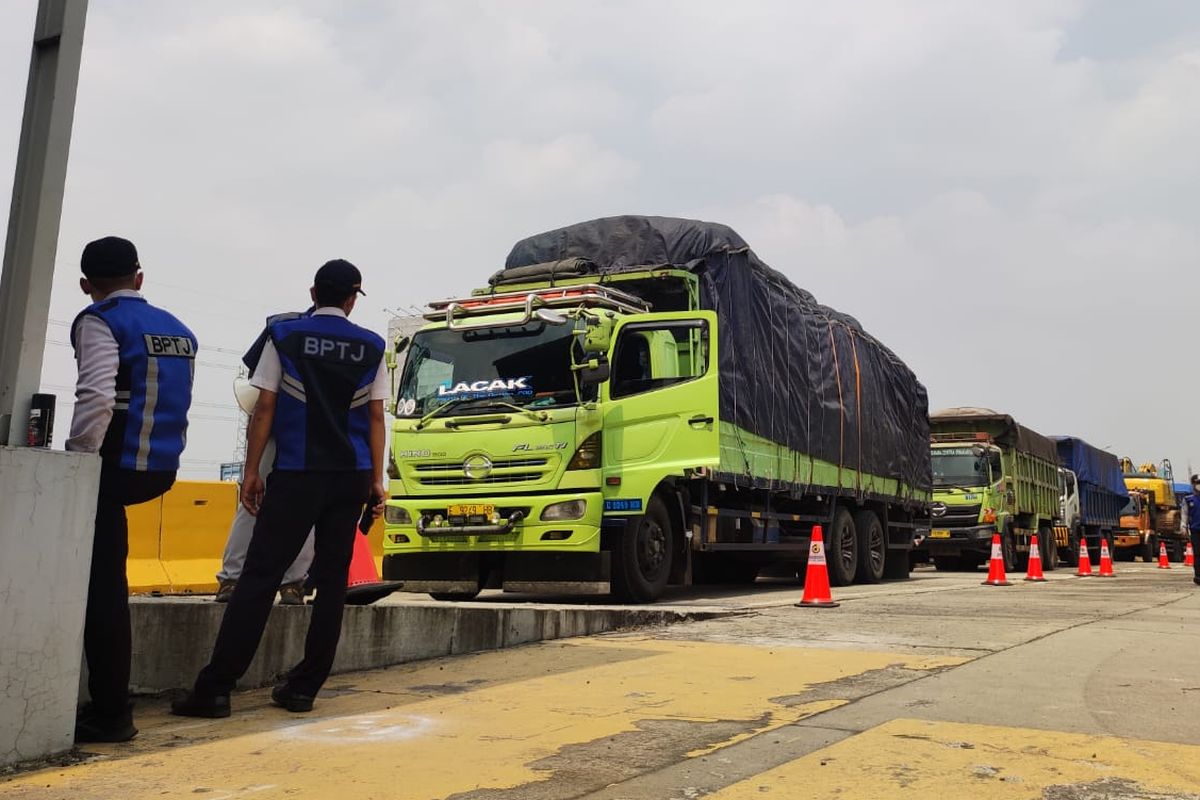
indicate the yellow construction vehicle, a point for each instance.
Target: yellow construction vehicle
{"x":1152,"y":515}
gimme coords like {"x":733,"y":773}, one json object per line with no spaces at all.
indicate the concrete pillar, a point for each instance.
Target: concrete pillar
{"x":49,"y":510}
{"x":33,"y":220}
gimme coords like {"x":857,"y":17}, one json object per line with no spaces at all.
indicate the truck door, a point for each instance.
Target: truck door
{"x":660,"y":403}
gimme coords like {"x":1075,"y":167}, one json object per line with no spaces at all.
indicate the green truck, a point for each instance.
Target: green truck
{"x":634,"y":402}
{"x":992,"y":475}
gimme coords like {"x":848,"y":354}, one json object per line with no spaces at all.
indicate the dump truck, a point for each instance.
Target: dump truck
{"x":1155,"y":514}
{"x":1092,"y":497}
{"x":634,"y":402}
{"x":991,"y":475}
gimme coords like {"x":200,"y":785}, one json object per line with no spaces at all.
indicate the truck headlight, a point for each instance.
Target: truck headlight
{"x":395,"y":515}
{"x":565,"y":511}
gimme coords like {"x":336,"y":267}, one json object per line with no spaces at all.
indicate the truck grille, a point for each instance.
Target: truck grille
{"x":958,"y":517}
{"x":505,"y":470}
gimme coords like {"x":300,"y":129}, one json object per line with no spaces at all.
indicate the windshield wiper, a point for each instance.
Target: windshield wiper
{"x":488,"y":402}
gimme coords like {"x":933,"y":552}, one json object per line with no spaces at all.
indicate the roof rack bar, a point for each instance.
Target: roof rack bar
{"x":584,"y":295}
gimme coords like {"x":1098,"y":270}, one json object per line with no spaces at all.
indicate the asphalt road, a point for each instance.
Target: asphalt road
{"x":1076,"y":689}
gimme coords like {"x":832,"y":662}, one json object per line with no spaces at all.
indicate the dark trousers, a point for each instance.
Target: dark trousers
{"x":107,"y":643}
{"x":294,"y":503}
{"x":1196,"y":553}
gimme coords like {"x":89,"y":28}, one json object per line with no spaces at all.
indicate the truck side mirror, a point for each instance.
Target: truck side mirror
{"x":594,"y":371}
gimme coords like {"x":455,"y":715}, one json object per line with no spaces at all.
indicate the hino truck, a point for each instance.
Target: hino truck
{"x":634,"y":402}
{"x":1093,"y":495}
{"x":991,"y":475}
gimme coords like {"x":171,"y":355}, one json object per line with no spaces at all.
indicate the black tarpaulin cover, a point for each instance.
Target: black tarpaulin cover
{"x":792,"y":371}
{"x":1012,"y":433}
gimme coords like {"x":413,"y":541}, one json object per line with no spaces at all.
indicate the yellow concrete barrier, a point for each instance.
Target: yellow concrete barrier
{"x":176,"y":541}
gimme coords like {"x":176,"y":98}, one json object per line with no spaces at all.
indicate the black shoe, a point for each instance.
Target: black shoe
{"x":91,"y":726}
{"x":194,"y":705}
{"x":293,"y":701}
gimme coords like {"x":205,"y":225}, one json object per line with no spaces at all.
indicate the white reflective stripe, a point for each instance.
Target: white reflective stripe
{"x":287,"y":389}
{"x":124,"y":395}
{"x":996,"y":554}
{"x":360,"y":402}
{"x":119,"y":406}
{"x":143,"y":454}
{"x":296,"y":385}
{"x":363,"y":392}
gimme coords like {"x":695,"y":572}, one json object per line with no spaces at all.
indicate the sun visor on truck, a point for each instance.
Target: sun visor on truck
{"x":792,"y":371}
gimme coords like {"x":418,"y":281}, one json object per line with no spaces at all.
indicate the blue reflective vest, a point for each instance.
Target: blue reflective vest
{"x":157,"y":365}
{"x":1193,"y":512}
{"x":322,"y":418}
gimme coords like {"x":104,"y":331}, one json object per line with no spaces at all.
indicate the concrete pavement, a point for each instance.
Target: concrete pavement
{"x":936,"y":687}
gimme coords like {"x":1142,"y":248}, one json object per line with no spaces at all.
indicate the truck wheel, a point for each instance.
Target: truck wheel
{"x":1070,"y":556}
{"x":841,"y":548}
{"x":1008,"y":549}
{"x":1047,"y":549}
{"x":1150,"y":551}
{"x":642,"y":563}
{"x":872,"y":547}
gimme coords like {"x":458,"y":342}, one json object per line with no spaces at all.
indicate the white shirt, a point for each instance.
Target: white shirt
{"x":98,"y":357}
{"x":268,"y":374}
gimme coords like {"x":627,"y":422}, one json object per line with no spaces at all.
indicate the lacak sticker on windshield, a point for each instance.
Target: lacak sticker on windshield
{"x":469,"y":390}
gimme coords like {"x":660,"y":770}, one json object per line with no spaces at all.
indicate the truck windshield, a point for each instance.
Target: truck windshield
{"x":481,"y":370}
{"x":961,"y":467}
{"x":1133,"y":508}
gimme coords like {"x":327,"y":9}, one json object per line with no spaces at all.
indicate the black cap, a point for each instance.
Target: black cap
{"x":110,"y":257}
{"x":1196,"y":479}
{"x":341,"y":276}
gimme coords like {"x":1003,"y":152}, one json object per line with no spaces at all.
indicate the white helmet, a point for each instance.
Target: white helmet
{"x":246,"y":394}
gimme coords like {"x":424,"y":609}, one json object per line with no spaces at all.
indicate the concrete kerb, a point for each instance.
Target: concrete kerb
{"x":173,"y":637}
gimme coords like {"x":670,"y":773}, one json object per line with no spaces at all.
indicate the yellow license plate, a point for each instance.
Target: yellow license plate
{"x":939,"y":534}
{"x":471,"y":510}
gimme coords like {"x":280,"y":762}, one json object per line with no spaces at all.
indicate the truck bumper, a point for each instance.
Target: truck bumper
{"x":575,"y":573}
{"x":524,"y":548}
{"x":976,"y":539}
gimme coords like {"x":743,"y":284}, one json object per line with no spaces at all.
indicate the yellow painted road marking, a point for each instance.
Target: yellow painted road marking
{"x":909,"y":758}
{"x":472,"y":723}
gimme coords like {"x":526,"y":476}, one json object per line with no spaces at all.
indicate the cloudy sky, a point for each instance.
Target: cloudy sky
{"x":1005,"y":193}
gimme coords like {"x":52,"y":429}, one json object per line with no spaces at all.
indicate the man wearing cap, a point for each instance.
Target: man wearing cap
{"x":322,"y":384}
{"x":291,"y":591}
{"x":1191,"y":507}
{"x":136,"y":367}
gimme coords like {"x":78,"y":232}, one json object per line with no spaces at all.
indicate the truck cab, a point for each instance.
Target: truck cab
{"x":530,"y":424}
{"x":970,"y":501}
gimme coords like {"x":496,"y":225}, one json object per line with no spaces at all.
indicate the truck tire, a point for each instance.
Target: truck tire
{"x":872,"y":547}
{"x":841,"y":548}
{"x":1047,"y":549}
{"x":1070,"y":556}
{"x":1149,"y":551}
{"x":641,"y":564}
{"x":1008,"y":548}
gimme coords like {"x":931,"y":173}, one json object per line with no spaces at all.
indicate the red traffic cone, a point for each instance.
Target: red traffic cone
{"x":816,"y":579}
{"x":1034,"y":572}
{"x":996,"y":576}
{"x":1106,"y":564}
{"x":1085,"y":561}
{"x":1163,"y":561}
{"x":1189,"y":556}
{"x":363,"y":586}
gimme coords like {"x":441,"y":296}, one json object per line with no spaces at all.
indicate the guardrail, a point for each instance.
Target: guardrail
{"x":176,"y":541}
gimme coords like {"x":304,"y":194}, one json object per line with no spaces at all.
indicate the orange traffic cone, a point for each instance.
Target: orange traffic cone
{"x":1163,"y":561}
{"x":816,"y":579}
{"x":1189,"y":556}
{"x":1106,"y":564}
{"x":1085,"y":561}
{"x":996,"y":576}
{"x":363,"y":586}
{"x":1034,"y":572}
